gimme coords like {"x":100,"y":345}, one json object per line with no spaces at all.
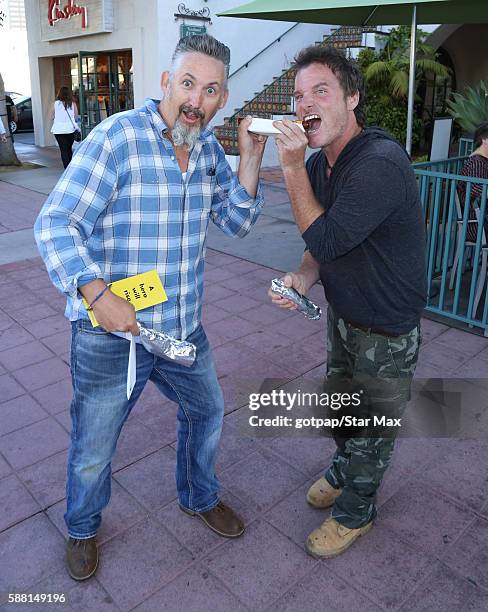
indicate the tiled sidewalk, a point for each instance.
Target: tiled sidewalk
{"x":19,"y":208}
{"x":428,"y":550}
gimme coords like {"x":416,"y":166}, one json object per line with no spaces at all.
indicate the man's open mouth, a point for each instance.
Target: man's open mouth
{"x":311,"y":123}
{"x":193,"y":115}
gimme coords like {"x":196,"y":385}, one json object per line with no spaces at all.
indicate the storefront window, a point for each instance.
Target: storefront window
{"x":101,"y":83}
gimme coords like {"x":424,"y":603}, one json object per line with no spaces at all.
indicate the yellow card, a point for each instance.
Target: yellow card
{"x":142,"y":291}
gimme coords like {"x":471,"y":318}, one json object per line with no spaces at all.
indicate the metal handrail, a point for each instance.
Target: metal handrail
{"x":436,"y":162}
{"x":263,"y":50}
{"x":451,"y":176}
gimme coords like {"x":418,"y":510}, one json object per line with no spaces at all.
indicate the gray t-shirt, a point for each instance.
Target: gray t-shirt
{"x":370,"y":241}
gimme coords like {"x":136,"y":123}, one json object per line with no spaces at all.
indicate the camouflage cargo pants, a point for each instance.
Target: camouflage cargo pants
{"x":380,"y":368}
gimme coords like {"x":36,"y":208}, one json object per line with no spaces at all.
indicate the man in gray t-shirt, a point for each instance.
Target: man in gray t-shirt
{"x":357,"y":206}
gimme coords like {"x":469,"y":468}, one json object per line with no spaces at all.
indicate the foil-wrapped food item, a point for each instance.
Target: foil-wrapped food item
{"x":163,"y":345}
{"x":305,"y":306}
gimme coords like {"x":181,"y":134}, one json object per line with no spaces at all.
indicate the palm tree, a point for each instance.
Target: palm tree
{"x":392,"y":66}
{"x":8,"y":157}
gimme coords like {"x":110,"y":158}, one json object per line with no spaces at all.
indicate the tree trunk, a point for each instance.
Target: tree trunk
{"x":8,"y":157}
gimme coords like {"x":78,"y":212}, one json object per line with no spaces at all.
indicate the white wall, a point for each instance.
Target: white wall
{"x":14,"y":61}
{"x":245,"y":37}
{"x":14,"y":57}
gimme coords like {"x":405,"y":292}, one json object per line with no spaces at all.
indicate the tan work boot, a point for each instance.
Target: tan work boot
{"x":321,"y":494}
{"x":332,"y":538}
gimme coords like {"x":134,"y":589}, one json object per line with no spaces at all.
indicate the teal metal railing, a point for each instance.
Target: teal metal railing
{"x":452,"y":165}
{"x":457,"y":248}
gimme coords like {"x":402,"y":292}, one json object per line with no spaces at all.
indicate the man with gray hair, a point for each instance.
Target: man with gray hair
{"x":138,"y":196}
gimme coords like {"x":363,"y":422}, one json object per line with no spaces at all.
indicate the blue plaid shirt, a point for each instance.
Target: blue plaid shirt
{"x":122,"y":208}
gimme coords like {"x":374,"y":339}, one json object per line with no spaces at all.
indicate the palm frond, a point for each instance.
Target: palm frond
{"x":430,"y":65}
{"x":377,"y":71}
{"x":399,"y":84}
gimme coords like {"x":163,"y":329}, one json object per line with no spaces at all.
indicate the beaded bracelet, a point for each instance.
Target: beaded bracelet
{"x":97,"y":297}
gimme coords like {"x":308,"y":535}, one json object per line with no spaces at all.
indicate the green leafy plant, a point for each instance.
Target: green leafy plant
{"x":391,"y":115}
{"x":391,"y":67}
{"x":470,"y":108}
{"x":386,"y":75}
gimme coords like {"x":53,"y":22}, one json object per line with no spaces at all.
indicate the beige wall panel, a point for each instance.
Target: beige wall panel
{"x":61,"y":19}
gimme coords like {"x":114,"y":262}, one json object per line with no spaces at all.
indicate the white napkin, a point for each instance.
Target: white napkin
{"x":132,"y":367}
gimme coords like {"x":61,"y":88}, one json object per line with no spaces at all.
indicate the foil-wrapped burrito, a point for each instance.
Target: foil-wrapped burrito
{"x":305,"y":306}
{"x":167,"y":347}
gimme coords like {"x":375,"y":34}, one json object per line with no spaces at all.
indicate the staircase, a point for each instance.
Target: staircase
{"x":276,"y":98}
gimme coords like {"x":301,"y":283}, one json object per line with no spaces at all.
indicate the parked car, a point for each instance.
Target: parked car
{"x":23,"y":105}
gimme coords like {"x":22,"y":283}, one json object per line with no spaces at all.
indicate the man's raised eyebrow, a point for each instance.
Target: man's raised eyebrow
{"x":213,"y":83}
{"x":321,"y":84}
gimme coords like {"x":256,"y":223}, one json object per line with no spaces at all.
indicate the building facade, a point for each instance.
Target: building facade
{"x":112,"y":52}
{"x":95,"y":47}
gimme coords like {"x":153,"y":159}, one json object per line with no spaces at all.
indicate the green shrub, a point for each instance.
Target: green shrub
{"x":470,"y":108}
{"x":391,"y":115}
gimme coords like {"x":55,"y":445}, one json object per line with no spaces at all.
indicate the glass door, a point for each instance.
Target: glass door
{"x":122,"y":90}
{"x":95,"y":89}
{"x":105,"y":86}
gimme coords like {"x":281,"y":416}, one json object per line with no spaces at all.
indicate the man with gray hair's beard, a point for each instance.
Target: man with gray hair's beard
{"x":138,"y":196}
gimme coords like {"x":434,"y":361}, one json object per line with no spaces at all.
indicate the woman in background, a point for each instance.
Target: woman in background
{"x":477,"y":163}
{"x":476,"y":166}
{"x":64,"y":112}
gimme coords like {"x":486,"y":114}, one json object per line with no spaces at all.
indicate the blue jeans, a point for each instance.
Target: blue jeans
{"x":100,"y":408}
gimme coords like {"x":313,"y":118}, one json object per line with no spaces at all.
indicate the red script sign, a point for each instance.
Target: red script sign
{"x":70,"y":9}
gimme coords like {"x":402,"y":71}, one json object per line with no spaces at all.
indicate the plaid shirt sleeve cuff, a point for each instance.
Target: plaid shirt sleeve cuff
{"x":82,"y":278}
{"x":239,"y":197}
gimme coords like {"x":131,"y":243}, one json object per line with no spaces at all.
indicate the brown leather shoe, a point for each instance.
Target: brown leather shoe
{"x":81,"y":558}
{"x":221,"y":519}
